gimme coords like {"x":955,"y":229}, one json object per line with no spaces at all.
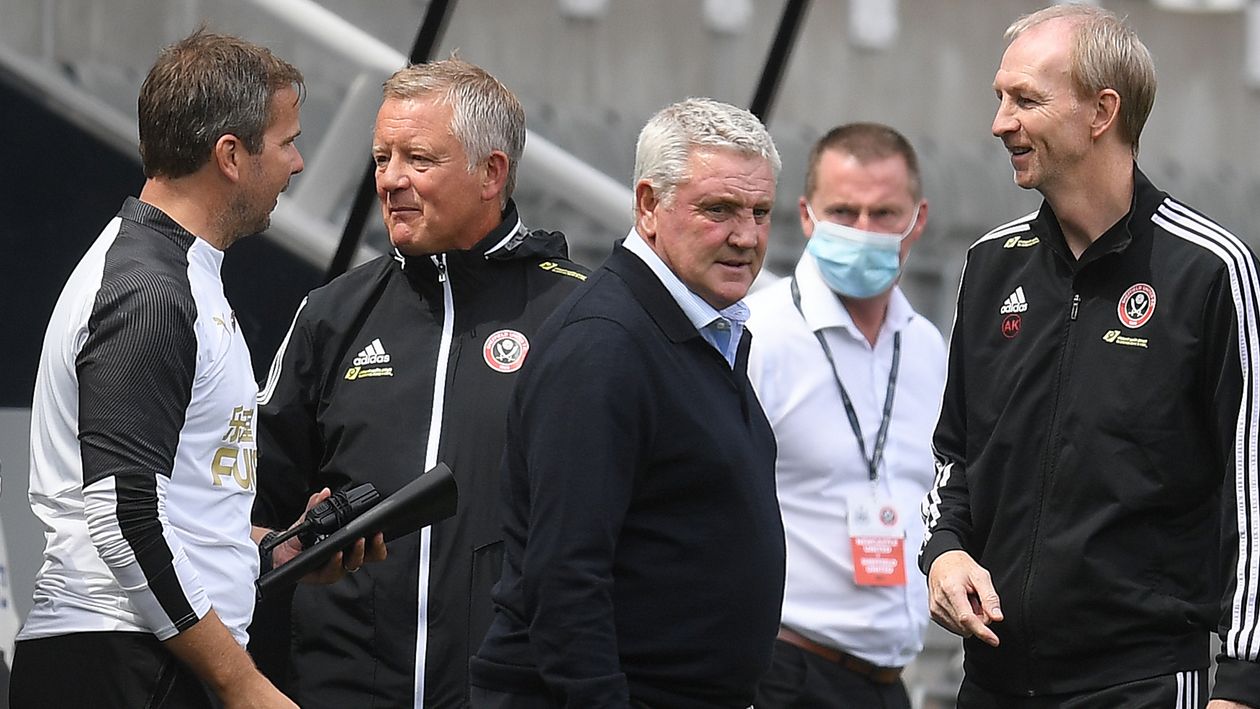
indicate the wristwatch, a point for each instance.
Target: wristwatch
{"x":265,"y":547}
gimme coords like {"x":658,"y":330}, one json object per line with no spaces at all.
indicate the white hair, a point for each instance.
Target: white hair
{"x":669,"y":138}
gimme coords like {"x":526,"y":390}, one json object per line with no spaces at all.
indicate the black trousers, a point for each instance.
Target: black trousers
{"x":799,"y":680}
{"x":105,"y":669}
{"x":1183,"y":690}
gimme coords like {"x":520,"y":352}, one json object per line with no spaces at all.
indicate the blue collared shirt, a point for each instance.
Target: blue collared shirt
{"x":720,"y":328}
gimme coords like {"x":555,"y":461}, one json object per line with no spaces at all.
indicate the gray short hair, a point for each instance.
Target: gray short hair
{"x":669,"y":138}
{"x":485,"y":115}
{"x":1105,"y":54}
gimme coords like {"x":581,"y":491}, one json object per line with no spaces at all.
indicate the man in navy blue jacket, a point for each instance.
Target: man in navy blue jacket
{"x":644,"y":553}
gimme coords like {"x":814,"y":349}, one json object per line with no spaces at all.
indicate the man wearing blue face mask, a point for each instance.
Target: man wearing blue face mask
{"x":850,"y":377}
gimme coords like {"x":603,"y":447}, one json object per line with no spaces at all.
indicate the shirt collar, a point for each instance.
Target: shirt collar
{"x":823,"y":309}
{"x":699,"y":312}
{"x":154,"y":218}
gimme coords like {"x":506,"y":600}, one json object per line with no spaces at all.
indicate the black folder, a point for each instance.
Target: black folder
{"x":430,"y":498}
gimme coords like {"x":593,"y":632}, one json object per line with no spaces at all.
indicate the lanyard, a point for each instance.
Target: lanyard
{"x":882,"y":436}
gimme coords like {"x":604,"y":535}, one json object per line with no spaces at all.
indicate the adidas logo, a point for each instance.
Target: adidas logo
{"x":1015,"y":302}
{"x":372,"y":354}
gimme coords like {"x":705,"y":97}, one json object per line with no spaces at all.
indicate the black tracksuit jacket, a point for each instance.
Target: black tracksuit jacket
{"x":391,"y":368}
{"x":1097,"y":450}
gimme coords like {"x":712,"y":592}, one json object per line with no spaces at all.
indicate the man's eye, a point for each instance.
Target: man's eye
{"x":380,"y":160}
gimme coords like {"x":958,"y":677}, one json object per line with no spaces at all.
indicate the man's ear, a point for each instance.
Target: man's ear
{"x":494,"y":175}
{"x":807,"y":224}
{"x":920,"y":222}
{"x":646,"y":202}
{"x":1106,"y":113}
{"x":229,"y":156}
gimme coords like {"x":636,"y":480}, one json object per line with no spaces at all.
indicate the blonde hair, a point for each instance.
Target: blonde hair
{"x":1105,"y":54}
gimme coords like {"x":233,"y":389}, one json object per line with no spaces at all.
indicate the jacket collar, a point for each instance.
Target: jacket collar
{"x":502,"y":239}
{"x":1146,"y":198}
{"x":651,"y":294}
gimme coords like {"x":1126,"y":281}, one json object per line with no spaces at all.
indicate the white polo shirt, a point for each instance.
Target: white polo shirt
{"x":820,"y":469}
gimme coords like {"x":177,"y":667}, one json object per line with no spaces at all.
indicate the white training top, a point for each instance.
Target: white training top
{"x":142,"y":440}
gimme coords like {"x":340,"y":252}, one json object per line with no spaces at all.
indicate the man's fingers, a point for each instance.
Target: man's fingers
{"x":318,"y":498}
{"x":943,"y":618}
{"x":352,"y":559}
{"x":376,"y":549}
{"x":972,"y":623}
{"x":992,"y":606}
{"x":963,"y":614}
{"x":312,"y":501}
{"x":988,"y":609}
{"x":985,"y":595}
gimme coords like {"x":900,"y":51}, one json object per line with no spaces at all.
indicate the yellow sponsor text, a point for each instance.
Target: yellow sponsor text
{"x":1017,"y":242}
{"x":354,"y":373}
{"x":1114,"y":337}
{"x":557,"y":268}
{"x":235,"y":463}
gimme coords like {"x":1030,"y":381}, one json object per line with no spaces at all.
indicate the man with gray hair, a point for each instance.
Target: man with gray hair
{"x":1093,"y":517}
{"x":400,"y":364}
{"x":644,"y":550}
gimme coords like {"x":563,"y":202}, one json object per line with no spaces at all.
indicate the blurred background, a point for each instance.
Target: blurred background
{"x":589,"y":73}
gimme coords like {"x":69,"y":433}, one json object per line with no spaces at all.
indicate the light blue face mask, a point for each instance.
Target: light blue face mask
{"x":854,"y":262}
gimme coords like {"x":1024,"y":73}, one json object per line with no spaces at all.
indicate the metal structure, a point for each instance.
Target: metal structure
{"x":435,"y":20}
{"x":304,"y":219}
{"x":776,"y":62}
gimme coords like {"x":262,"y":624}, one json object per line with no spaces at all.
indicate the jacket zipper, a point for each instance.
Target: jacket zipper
{"x":1047,"y":470}
{"x":430,"y":460}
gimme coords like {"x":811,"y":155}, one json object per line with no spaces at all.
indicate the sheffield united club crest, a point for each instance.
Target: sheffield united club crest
{"x":1136,"y":305}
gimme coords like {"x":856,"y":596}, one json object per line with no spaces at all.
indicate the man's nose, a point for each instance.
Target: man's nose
{"x":391,"y":177}
{"x":744,"y":234}
{"x":1003,"y":121}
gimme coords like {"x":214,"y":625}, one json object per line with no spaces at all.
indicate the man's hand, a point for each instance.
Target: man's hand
{"x":961,"y":597}
{"x":341,"y":563}
{"x":1227,"y":704}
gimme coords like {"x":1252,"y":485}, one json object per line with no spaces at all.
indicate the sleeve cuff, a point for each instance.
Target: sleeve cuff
{"x":939,"y":543}
{"x":1237,"y":680}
